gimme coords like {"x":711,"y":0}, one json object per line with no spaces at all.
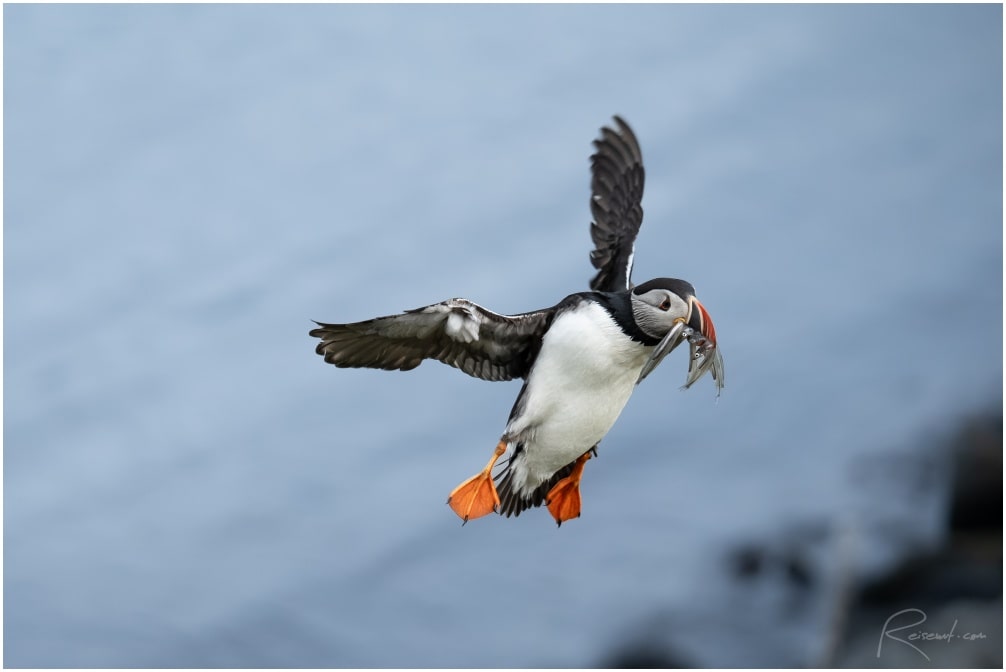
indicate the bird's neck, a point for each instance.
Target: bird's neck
{"x":619,"y":304}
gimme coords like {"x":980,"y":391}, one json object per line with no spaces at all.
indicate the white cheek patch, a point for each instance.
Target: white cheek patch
{"x":462,"y":326}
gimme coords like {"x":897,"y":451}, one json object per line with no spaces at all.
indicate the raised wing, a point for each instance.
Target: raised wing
{"x":616,"y":188}
{"x":458,"y":332}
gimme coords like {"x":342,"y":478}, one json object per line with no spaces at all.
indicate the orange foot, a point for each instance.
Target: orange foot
{"x":477,"y":496}
{"x":563,"y":499}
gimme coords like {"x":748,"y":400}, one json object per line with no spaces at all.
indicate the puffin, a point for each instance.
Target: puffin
{"x":580,"y":359}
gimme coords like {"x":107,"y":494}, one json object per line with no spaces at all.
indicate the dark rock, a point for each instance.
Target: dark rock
{"x":978,"y":485}
{"x":943,"y":608}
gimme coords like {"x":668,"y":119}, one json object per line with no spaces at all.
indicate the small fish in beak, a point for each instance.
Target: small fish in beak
{"x":705,"y":356}
{"x":701,"y":336}
{"x":699,"y":321}
{"x":672,"y":340}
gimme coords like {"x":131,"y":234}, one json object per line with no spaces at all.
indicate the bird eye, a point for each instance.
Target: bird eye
{"x":666,"y":305}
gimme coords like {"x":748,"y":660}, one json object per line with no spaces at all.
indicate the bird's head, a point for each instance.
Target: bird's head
{"x":658,"y":305}
{"x":662,"y":309}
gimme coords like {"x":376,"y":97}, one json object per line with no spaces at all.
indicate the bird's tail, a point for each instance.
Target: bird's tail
{"x":512,"y":499}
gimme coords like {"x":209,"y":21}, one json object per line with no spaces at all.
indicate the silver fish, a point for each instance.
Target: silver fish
{"x":704,"y":356}
{"x":672,"y":340}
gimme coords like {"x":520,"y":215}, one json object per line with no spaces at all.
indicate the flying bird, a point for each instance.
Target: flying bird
{"x":580,"y":359}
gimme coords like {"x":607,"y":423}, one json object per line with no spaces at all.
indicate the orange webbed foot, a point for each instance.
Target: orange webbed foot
{"x":563,"y":500}
{"x":477,"y":496}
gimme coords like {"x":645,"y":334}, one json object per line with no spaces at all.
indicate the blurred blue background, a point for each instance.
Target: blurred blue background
{"x":185,"y":187}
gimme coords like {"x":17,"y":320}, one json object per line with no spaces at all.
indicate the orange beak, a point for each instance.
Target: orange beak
{"x":700,"y":321}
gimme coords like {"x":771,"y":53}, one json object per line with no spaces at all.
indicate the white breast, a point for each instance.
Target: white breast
{"x":579,"y":384}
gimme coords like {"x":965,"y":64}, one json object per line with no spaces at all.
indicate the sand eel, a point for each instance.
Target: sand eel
{"x":580,"y":359}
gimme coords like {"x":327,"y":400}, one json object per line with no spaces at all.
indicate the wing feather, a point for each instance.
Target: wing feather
{"x":457,"y":332}
{"x":616,"y":186}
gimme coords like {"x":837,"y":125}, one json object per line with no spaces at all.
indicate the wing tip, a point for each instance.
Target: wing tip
{"x":617,"y":183}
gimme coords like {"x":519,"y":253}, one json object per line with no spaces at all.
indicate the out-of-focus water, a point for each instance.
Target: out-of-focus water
{"x":185,"y":187}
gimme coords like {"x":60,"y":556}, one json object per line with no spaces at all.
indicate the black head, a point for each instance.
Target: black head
{"x":682,"y":288}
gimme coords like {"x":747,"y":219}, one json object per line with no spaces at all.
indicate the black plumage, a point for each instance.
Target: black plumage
{"x":616,"y":186}
{"x":457,"y":332}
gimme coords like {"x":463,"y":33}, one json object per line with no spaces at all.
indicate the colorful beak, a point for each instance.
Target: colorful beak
{"x":700,"y":321}
{"x":705,"y":355}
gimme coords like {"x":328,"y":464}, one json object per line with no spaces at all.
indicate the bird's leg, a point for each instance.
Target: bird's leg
{"x":477,"y":496}
{"x":563,"y":499}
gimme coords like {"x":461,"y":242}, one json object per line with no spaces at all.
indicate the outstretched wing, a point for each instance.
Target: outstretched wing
{"x":458,"y":332}
{"x":616,"y":188}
